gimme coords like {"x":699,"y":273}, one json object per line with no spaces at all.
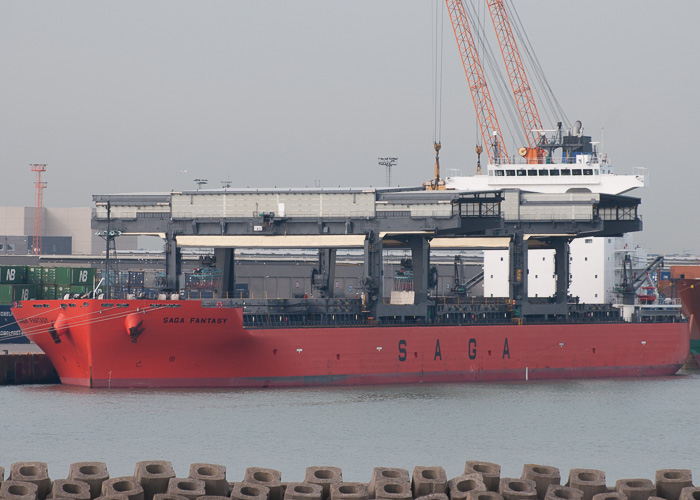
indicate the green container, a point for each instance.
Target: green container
{"x":34,"y":275}
{"x":80,"y":289}
{"x":15,"y":293}
{"x":63,"y":276}
{"x":61,"y":290}
{"x":48,"y":275}
{"x":82,"y":276}
{"x":13,"y":275}
{"x":48,"y":292}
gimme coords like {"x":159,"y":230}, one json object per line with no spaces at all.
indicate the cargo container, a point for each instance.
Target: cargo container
{"x":13,"y":275}
{"x":14,"y":293}
{"x":136,"y":279}
{"x":34,"y":275}
{"x":56,"y":275}
{"x":48,"y":292}
{"x":82,"y":276}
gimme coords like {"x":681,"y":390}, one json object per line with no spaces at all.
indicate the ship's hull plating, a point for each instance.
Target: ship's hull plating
{"x":139,"y":343}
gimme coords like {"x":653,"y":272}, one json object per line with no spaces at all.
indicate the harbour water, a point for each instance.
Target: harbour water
{"x":628,"y":428}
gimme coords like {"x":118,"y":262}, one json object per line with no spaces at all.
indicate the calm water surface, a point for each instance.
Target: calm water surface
{"x":628,"y":428}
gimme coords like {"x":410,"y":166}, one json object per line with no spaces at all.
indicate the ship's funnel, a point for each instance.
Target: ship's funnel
{"x":578,"y":128}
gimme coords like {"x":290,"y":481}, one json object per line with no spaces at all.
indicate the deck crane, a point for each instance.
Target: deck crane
{"x":530,"y":118}
{"x":490,"y":130}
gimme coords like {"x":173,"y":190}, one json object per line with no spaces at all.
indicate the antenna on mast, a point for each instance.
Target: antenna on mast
{"x":388,"y":162}
{"x":39,"y":187}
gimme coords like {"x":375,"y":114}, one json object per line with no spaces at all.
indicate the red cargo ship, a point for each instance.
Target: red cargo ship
{"x":188,"y":343}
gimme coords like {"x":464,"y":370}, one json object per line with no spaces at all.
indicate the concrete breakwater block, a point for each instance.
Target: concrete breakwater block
{"x":543,"y":476}
{"x":32,"y":472}
{"x":589,"y":481}
{"x":303,"y":491}
{"x":153,"y":476}
{"x":610,"y":495}
{"x":325,"y":477}
{"x":118,"y":496}
{"x":213,"y":497}
{"x":124,"y":485}
{"x":484,"y":495}
{"x":349,"y":491}
{"x":559,"y":492}
{"x":186,"y":487}
{"x":266,"y":477}
{"x":490,"y":473}
{"x":167,"y":496}
{"x":390,"y":490}
{"x":214,"y":477}
{"x":670,"y":482}
{"x":69,"y":488}
{"x":517,"y":489}
{"x":18,"y":490}
{"x":386,"y":475}
{"x":636,"y":489}
{"x":428,"y":480}
{"x":435,"y":496}
{"x":690,"y":493}
{"x":249,"y":491}
{"x":92,"y":473}
{"x":460,"y":487}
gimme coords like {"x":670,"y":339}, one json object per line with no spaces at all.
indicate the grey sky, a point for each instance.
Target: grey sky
{"x":125,"y":96}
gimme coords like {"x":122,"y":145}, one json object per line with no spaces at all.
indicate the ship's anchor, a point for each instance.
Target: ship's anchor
{"x":135,"y":331}
{"x":54,"y":334}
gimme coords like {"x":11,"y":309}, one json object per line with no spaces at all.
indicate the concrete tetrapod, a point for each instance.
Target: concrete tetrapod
{"x":690,"y":493}
{"x":386,"y":475}
{"x":460,"y":487}
{"x":35,"y":473}
{"x":324,"y":477}
{"x":250,"y":491}
{"x":636,"y":489}
{"x":69,"y":488}
{"x":153,"y":476}
{"x":390,"y":490}
{"x":428,"y":480}
{"x":517,"y":489}
{"x":543,"y":476}
{"x":490,"y":473}
{"x":270,"y":478}
{"x":92,"y":473}
{"x":349,"y":491}
{"x":590,"y":481}
{"x":559,"y":492}
{"x":125,"y":485}
{"x":303,"y":491}
{"x":18,"y":490}
{"x":214,"y":477}
{"x":186,"y":487}
{"x":670,"y":482}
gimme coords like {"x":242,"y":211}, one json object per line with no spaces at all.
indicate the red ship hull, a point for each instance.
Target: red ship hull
{"x":689,"y":292}
{"x":182,"y":344}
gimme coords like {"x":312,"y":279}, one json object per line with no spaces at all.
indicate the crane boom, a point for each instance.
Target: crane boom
{"x":516,"y":74}
{"x":490,"y":130}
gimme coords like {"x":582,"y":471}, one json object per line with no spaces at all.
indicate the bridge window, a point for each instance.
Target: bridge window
{"x":544,"y":171}
{"x":596,"y":172}
{"x":565,"y":171}
{"x":521,"y":173}
{"x":531,"y":172}
{"x":510,"y":173}
{"x":587,"y":171}
{"x":576,"y":171}
{"x":499,"y":173}
{"x":554,"y":171}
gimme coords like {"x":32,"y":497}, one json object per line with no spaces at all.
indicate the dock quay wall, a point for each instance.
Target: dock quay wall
{"x":26,"y":368}
{"x":157,"y":480}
